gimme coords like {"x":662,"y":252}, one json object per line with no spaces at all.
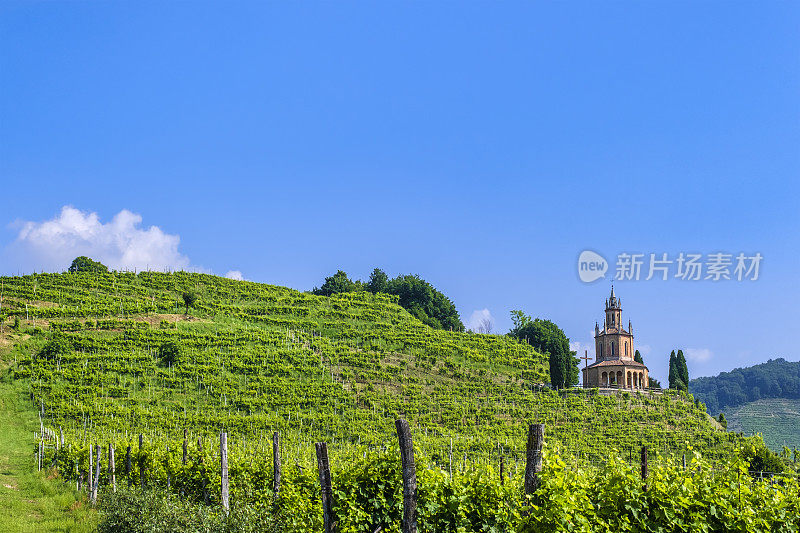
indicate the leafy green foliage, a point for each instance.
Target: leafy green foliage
{"x":416,"y":295}
{"x":169,"y":353}
{"x":56,"y":348}
{"x":378,"y":282}
{"x":638,"y":357}
{"x":722,"y":421}
{"x":336,"y":284}
{"x":424,"y":302}
{"x":546,"y":337}
{"x":760,"y":458}
{"x":367,"y":497}
{"x":85,"y":264}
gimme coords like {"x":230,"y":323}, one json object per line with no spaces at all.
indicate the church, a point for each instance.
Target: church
{"x":614,"y":352}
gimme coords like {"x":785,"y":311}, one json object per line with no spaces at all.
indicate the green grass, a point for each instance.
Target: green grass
{"x":777,"y":419}
{"x":32,"y":500}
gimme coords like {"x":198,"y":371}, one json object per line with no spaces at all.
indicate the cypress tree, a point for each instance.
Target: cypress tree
{"x":673,"y":373}
{"x":683,"y":370}
{"x":638,"y":357}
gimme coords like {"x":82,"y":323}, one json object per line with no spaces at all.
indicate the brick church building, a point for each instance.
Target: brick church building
{"x":614,"y":352}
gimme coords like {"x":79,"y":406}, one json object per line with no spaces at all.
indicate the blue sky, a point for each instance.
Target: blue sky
{"x":480,"y":145}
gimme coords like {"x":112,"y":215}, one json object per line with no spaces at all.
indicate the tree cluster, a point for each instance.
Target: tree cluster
{"x":86,"y":264}
{"x":547,"y":338}
{"x":777,"y":378}
{"x":415,"y":294}
{"x":678,"y":371}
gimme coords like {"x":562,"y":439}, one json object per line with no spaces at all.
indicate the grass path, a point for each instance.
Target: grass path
{"x":31,"y":500}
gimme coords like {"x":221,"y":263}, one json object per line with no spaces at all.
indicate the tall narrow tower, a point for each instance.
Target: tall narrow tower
{"x":614,"y":365}
{"x":613,"y":342}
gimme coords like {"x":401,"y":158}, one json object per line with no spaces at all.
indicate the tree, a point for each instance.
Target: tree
{"x":683,"y":370}
{"x":547,"y":338}
{"x":338,"y":283}
{"x":677,"y":371}
{"x":169,"y":353}
{"x":519,"y":319}
{"x":56,"y":348}
{"x":85,"y":264}
{"x":189,"y":299}
{"x":378,"y":281}
{"x":761,"y":458}
{"x":638,"y":357}
{"x":653,"y":383}
{"x":722,"y":421}
{"x":424,"y":302}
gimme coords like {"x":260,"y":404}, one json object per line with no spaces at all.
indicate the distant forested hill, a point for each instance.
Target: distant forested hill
{"x":777,"y":378}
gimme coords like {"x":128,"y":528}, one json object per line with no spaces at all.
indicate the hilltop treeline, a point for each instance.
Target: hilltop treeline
{"x":416,"y":295}
{"x":777,"y":378}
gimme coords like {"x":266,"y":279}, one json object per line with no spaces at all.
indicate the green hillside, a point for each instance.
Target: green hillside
{"x":256,"y":358}
{"x":105,"y":357}
{"x":778,"y":420}
{"x":777,"y":378}
{"x":763,"y":398}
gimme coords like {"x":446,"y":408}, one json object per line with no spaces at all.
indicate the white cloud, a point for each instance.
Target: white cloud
{"x":644,"y":349}
{"x":119,"y":244}
{"x":582,"y":347}
{"x":698,"y":355}
{"x":481,"y":321}
{"x":234,"y":274}
{"x":579,"y":347}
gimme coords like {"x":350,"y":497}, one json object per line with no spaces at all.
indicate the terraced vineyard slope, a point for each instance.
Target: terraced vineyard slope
{"x":778,"y":420}
{"x":106,"y":356}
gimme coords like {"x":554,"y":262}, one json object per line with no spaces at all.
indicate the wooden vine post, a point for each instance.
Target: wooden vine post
{"x":276,"y":464}
{"x":112,"y":475}
{"x":644,"y":466}
{"x":409,"y":476}
{"x":185,"y":448}
{"x":200,"y":461}
{"x":96,"y":480}
{"x":128,"y":465}
{"x":141,"y":461}
{"x":223,"y":458}
{"x":325,"y":484}
{"x":533,"y":457}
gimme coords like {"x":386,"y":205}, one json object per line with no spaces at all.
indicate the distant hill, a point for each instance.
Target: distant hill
{"x":777,"y":378}
{"x":762,"y":399}
{"x":777,"y":419}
